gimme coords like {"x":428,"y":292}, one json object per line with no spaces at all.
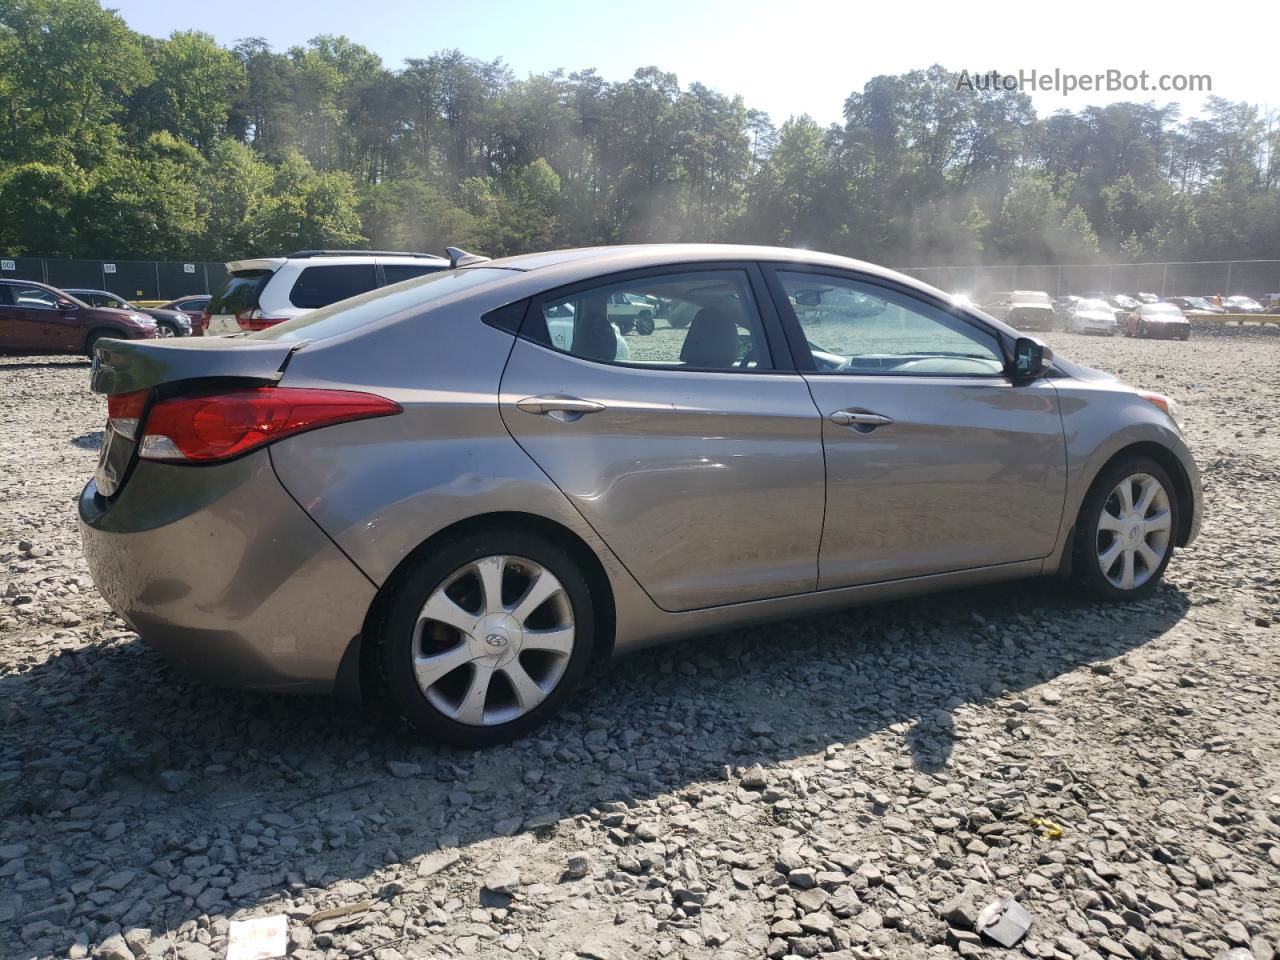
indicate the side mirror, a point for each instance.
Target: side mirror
{"x":809,"y":298}
{"x":1031,"y":358}
{"x":64,"y":304}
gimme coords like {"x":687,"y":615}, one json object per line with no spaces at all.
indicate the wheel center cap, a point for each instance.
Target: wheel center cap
{"x":497,"y":638}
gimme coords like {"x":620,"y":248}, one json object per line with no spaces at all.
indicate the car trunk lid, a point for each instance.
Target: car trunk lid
{"x":144,"y":370}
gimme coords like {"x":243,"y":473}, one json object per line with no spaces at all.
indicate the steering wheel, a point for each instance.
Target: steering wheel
{"x":746,"y":359}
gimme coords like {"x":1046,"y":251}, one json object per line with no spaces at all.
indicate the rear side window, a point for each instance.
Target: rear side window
{"x":701,"y":320}
{"x":396,"y":272}
{"x":241,"y":292}
{"x":320,"y":286}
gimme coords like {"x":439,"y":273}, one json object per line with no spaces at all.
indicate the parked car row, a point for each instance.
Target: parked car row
{"x":36,"y":318}
{"x":1098,"y":312}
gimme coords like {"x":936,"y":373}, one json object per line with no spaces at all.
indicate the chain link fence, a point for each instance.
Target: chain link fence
{"x":1251,"y":278}
{"x":130,"y":279}
{"x":166,"y":280}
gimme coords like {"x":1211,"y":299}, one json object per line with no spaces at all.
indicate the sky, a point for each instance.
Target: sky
{"x":786,"y":57}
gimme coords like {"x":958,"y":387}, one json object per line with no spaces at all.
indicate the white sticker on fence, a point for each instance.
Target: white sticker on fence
{"x":188,"y":268}
{"x":108,"y":268}
{"x":8,"y":265}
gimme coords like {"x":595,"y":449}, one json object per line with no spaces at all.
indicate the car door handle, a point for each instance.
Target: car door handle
{"x":558,"y":404}
{"x":859,"y":418}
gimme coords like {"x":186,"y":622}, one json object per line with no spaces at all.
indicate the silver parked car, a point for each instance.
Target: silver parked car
{"x":426,"y":492}
{"x":1092,"y":316}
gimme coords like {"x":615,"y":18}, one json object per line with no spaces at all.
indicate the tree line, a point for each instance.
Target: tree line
{"x":115,"y":144}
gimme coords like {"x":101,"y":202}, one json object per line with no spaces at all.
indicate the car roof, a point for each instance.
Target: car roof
{"x":593,"y":261}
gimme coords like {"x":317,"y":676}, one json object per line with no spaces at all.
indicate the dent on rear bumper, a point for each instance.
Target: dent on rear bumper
{"x":222,"y":572}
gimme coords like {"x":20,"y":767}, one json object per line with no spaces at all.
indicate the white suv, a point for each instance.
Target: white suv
{"x":269,"y":290}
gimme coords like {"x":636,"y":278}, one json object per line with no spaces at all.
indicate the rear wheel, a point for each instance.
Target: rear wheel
{"x":644,"y":323}
{"x":486,"y":638}
{"x":1125,"y":531}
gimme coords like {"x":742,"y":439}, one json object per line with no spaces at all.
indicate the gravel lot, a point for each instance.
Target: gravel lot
{"x":854,"y":785}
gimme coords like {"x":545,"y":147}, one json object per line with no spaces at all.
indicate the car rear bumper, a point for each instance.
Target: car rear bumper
{"x":219,"y":570}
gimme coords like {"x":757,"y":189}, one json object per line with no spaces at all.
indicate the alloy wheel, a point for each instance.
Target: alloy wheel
{"x":165,"y":331}
{"x":1134,"y":531}
{"x":493,"y":640}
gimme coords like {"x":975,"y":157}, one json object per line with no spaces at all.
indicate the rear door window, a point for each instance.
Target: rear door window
{"x":241,"y":292}
{"x":320,"y":286}
{"x":397,"y":272}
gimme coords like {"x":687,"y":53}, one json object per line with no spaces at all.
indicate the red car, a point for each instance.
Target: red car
{"x":35,"y":318}
{"x":1162,"y":320}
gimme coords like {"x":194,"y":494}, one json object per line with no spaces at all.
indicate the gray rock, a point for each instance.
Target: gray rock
{"x":503,"y":878}
{"x":803,"y":878}
{"x":174,"y":780}
{"x":403,"y":770}
{"x":961,"y":910}
{"x":113,"y":948}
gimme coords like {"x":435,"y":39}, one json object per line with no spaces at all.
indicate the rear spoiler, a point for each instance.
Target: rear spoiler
{"x":122,"y":366}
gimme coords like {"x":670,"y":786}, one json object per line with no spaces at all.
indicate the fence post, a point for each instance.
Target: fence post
{"x":1164,"y":281}
{"x":1227,"y":291}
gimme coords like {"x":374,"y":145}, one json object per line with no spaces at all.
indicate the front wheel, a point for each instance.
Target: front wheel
{"x":486,"y":638}
{"x":644,"y":323}
{"x":166,"y":330}
{"x":1125,"y":531}
{"x":626,"y":325}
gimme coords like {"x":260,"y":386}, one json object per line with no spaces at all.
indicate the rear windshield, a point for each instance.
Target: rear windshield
{"x":1161,"y":308}
{"x":376,"y":305}
{"x":241,"y":292}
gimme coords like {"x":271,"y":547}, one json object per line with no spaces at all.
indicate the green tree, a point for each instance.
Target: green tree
{"x":196,"y":81}
{"x":307,"y":209}
{"x":68,"y":66}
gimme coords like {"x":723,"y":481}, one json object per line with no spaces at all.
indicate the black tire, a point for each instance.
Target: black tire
{"x":168,"y":329}
{"x":626,"y":325}
{"x":644,"y":323}
{"x":397,"y":634}
{"x":91,"y":341}
{"x":1085,"y":569}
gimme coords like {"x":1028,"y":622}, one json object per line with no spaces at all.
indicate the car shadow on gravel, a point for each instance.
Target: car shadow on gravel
{"x":148,"y":800}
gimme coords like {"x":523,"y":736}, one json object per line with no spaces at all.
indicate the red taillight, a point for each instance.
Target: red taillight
{"x":201,"y":324}
{"x":253,"y":319}
{"x":124,"y":410}
{"x":223,"y":425}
